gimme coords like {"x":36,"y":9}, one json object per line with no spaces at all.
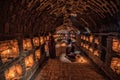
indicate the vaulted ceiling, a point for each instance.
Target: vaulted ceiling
{"x":38,"y":16}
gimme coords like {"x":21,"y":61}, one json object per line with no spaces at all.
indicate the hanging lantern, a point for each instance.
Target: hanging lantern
{"x":36,"y":41}
{"x":8,"y":50}
{"x":29,"y":62}
{"x":27,"y":45}
{"x":116,"y":45}
{"x":14,"y":72}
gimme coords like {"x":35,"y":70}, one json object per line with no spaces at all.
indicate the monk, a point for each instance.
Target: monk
{"x":51,"y":45}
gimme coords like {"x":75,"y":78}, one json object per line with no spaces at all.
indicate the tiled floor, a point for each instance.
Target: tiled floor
{"x":55,"y":69}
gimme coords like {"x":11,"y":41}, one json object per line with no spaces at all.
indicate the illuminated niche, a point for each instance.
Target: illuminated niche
{"x":14,"y":72}
{"x":29,"y":61}
{"x":36,"y":41}
{"x":8,"y":50}
{"x":37,"y":55}
{"x":116,"y":45}
{"x":115,"y":65}
{"x":27,"y":45}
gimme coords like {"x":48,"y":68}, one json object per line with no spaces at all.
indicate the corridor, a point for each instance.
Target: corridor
{"x":37,"y":40}
{"x":63,"y":69}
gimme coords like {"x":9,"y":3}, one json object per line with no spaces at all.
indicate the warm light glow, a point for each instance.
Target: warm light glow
{"x":86,"y":38}
{"x":96,"y":53}
{"x":81,"y":43}
{"x":36,"y":41}
{"x":57,"y":45}
{"x":91,"y":38}
{"x":116,"y":45}
{"x":86,"y":46}
{"x":48,"y":37}
{"x":29,"y":62}
{"x":83,"y":37}
{"x":8,"y":50}
{"x":115,"y":65}
{"x":27,"y":44}
{"x":91,"y":49}
{"x":14,"y":72}
{"x":37,"y":55}
{"x":80,"y":59}
{"x":63,"y":44}
{"x":41,"y":40}
{"x":97,"y":41}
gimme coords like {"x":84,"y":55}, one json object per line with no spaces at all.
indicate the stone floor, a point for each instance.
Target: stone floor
{"x":55,"y":69}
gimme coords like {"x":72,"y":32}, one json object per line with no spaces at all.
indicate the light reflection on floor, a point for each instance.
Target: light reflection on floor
{"x":64,"y":59}
{"x":79,"y":59}
{"x":60,"y":45}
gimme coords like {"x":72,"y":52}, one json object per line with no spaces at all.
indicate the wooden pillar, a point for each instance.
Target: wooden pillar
{"x":20,"y":44}
{"x":109,"y":51}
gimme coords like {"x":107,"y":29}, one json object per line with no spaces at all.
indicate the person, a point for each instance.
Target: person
{"x":51,"y":45}
{"x":70,"y":50}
